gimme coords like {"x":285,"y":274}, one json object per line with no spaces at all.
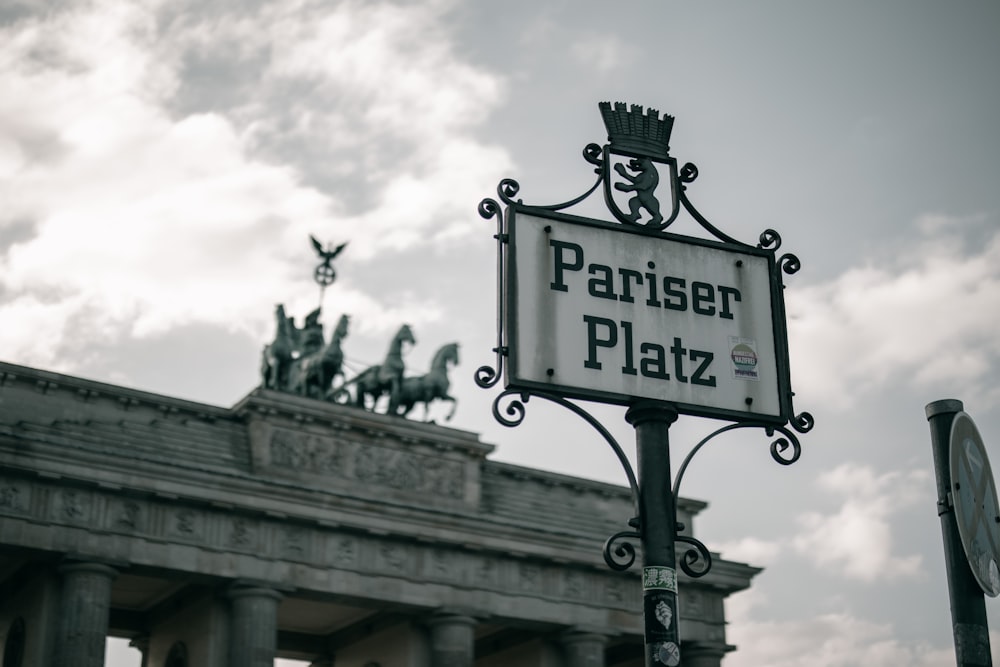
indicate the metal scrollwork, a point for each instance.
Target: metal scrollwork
{"x":621,"y":123}
{"x":803,"y":422}
{"x":489,"y":208}
{"x":508,"y":189}
{"x":699,"y":218}
{"x":689,"y":172}
{"x":488,"y":376}
{"x":781,"y":445}
{"x":574,"y":201}
{"x":779,"y":452}
{"x":778,"y":447}
{"x":789,"y":263}
{"x":697,"y":554}
{"x":515,"y":409}
{"x":619,"y":553}
{"x":769,"y":240}
{"x":594,"y":154}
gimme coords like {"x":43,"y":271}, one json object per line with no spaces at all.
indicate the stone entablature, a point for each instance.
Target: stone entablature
{"x":117,"y":525}
{"x":560,"y":503}
{"x":317,"y":499}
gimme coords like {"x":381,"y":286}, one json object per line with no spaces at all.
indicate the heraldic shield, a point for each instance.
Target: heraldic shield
{"x":640,"y":177}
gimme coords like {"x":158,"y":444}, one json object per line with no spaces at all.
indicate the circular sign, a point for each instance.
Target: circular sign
{"x":974,"y":496}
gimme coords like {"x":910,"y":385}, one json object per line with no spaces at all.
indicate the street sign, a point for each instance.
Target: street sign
{"x":631,"y":314}
{"x":614,"y":313}
{"x":974,"y":497}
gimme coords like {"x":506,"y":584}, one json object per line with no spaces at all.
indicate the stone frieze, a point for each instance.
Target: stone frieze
{"x":321,"y":457}
{"x":53,"y":508}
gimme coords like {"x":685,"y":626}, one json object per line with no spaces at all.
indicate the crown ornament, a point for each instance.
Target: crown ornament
{"x":631,"y":130}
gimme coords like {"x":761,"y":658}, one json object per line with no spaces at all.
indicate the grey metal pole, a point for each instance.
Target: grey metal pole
{"x":657,"y":516}
{"x":968,"y":604}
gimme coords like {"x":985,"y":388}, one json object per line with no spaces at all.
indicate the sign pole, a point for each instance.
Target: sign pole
{"x":657,"y":519}
{"x":968,"y":604}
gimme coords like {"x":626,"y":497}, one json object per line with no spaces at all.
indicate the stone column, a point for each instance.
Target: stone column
{"x":452,"y":640}
{"x":84,"y":606}
{"x":582,"y":648}
{"x":703,"y":654}
{"x":253,"y":628}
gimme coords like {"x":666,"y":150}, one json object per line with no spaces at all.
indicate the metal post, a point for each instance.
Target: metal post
{"x":968,"y":604}
{"x":657,"y":516}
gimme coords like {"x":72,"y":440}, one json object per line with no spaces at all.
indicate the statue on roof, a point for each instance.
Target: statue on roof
{"x":313,"y":373}
{"x":279,"y":353}
{"x":431,"y":386}
{"x":386,"y":377}
{"x":300,"y":361}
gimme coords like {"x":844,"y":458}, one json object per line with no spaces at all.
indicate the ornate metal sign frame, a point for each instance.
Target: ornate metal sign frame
{"x":643,"y":140}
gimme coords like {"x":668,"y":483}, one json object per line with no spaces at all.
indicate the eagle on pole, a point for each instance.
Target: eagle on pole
{"x":324,"y":273}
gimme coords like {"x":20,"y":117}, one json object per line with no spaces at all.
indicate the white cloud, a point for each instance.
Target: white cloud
{"x":937,"y":223}
{"x":929,"y":316}
{"x":144,"y":218}
{"x":754,"y":550}
{"x":398,"y":92}
{"x":604,"y":54}
{"x":856,"y":540}
{"x":828,"y":640}
{"x":394,"y":60}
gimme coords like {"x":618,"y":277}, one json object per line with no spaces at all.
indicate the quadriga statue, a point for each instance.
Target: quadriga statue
{"x":297,"y":361}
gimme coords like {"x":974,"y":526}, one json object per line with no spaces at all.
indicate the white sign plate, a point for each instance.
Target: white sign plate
{"x":598,"y":311}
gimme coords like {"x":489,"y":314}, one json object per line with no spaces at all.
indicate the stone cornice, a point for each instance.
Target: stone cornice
{"x":47,"y":382}
{"x":548,"y":478}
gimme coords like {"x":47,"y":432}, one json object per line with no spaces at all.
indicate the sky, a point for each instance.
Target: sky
{"x":162,"y":165}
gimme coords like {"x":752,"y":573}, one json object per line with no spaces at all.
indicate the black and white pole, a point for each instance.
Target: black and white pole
{"x":657,"y":520}
{"x":968,"y":604}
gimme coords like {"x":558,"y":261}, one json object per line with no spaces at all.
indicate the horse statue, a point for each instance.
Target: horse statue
{"x":277,"y":357}
{"x":313,"y":375}
{"x":387,"y":376}
{"x":433,"y":385}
